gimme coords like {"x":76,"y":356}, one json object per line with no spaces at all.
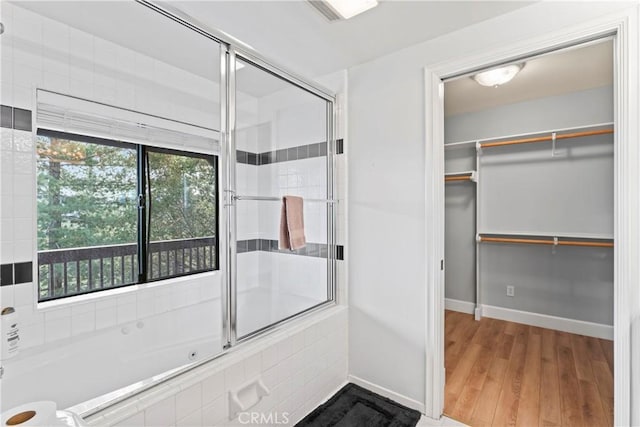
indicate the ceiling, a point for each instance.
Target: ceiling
{"x":290,"y":32}
{"x":300,"y":38}
{"x":570,"y":70}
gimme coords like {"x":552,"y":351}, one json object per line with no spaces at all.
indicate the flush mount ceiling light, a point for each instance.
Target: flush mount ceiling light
{"x":335,"y":10}
{"x":497,"y":76}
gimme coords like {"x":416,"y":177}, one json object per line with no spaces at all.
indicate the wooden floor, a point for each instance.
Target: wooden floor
{"x":502,"y":373}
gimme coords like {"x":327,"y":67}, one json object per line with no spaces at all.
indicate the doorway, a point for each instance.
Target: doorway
{"x":624,"y":202}
{"x":529,"y":240}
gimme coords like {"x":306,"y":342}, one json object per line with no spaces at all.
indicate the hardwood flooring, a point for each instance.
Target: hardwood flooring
{"x":507,"y":374}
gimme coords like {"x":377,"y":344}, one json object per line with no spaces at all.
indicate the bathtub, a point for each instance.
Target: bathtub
{"x":75,"y":370}
{"x":121,"y":359}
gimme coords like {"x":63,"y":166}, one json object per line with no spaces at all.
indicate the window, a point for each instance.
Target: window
{"x":181,"y":212}
{"x":112,"y":214}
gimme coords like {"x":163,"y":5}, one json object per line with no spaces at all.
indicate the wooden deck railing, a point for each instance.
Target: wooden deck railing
{"x":65,"y":272}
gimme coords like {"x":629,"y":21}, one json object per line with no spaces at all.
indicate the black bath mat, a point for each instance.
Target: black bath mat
{"x":354,"y":406}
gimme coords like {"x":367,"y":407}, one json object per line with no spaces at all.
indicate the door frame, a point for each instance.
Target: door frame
{"x":626,"y":198}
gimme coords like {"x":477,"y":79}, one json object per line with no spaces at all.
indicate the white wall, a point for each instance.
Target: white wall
{"x":583,"y":108}
{"x":387,"y":193}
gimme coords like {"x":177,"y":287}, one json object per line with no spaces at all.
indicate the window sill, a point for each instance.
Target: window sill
{"x":112,"y":293}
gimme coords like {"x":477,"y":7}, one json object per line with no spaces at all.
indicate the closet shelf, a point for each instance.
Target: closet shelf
{"x":538,"y":239}
{"x":600,"y":128}
{"x":462,"y":144}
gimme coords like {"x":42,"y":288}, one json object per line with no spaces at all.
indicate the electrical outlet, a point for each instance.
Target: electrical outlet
{"x":511,"y":291}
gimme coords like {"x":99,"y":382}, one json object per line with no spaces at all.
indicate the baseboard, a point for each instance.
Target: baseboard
{"x":459,"y":305}
{"x":397,"y":397}
{"x":563,"y":324}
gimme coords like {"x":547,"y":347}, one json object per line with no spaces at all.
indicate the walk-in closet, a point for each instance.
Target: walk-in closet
{"x":529,"y":240}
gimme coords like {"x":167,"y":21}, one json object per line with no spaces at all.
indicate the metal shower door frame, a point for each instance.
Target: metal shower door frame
{"x":253,"y":59}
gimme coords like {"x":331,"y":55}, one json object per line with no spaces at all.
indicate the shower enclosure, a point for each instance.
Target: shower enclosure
{"x":169,"y":255}
{"x":282,"y":140}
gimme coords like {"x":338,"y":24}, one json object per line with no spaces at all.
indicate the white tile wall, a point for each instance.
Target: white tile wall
{"x":293,"y":115}
{"x":83,"y":322}
{"x":247,"y":138}
{"x":301,"y":365}
{"x":136,"y":420}
{"x":17,"y":196}
{"x":234,"y":375}
{"x":306,"y":178}
{"x":212,"y":388}
{"x":189,"y":401}
{"x":161,"y":413}
{"x":294,"y":275}
{"x":40,"y":52}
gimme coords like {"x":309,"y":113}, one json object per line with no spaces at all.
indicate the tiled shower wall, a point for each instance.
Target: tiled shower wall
{"x":282,"y":150}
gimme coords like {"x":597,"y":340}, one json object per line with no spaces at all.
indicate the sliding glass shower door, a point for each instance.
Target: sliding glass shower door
{"x":283,"y":148}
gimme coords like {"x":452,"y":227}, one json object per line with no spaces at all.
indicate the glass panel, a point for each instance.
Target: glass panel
{"x":123,"y":73}
{"x":182,"y":214}
{"x":281,"y":142}
{"x":87,"y":209}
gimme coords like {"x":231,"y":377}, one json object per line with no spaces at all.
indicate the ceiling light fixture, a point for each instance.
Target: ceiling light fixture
{"x":497,"y":76}
{"x":335,"y":10}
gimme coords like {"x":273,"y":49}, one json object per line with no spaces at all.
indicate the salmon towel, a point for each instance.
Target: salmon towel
{"x":291,"y":224}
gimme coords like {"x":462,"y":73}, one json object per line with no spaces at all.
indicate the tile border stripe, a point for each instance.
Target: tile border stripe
{"x":17,"y":273}
{"x":318,"y":250}
{"x":299,"y":152}
{"x":15,"y":118}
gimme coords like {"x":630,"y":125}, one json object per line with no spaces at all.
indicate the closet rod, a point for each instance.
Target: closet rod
{"x":546,"y":242}
{"x":457,"y":178}
{"x":545,"y":138}
{"x":474,"y":142}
